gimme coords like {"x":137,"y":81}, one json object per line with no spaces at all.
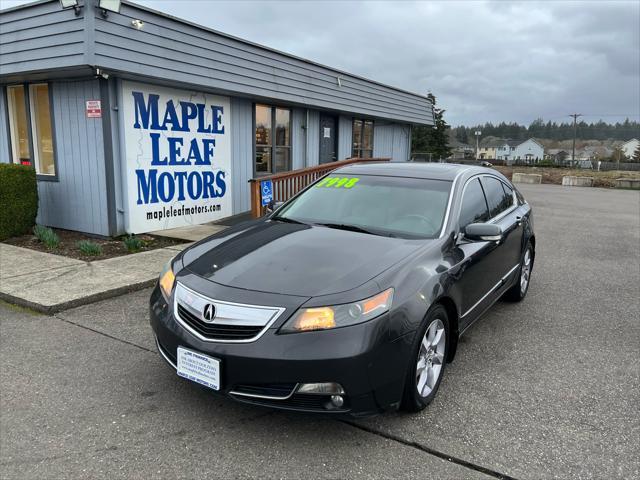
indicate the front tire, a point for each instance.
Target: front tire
{"x":428,"y":362}
{"x":521,"y":287}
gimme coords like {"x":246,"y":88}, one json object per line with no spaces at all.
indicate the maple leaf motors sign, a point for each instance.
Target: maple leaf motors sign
{"x":178,"y":157}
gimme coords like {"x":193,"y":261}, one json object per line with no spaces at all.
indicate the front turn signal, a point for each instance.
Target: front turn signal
{"x":167,"y":280}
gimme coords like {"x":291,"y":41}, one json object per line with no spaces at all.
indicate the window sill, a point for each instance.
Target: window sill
{"x":47,"y":178}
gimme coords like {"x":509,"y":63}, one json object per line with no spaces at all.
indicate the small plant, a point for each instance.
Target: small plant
{"x":87,"y":247}
{"x":133,"y":243}
{"x":47,"y":236}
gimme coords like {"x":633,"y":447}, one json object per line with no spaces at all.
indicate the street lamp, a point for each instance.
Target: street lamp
{"x":70,"y":4}
{"x":109,"y":6}
{"x":477,"y":133}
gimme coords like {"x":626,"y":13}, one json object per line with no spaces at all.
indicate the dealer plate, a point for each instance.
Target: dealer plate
{"x":199,"y":368}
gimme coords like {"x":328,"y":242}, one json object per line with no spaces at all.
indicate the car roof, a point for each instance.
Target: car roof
{"x":434,"y":171}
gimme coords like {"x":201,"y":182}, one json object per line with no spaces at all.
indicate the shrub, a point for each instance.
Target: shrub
{"x":87,"y":247}
{"x":46,"y":236}
{"x":18,"y":199}
{"x":133,"y":243}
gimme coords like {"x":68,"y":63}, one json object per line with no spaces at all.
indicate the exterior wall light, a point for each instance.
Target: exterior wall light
{"x":109,"y":6}
{"x":138,"y":24}
{"x":65,"y":4}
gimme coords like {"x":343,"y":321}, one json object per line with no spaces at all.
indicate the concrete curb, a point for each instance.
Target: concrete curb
{"x":575,"y":181}
{"x":628,"y":183}
{"x":77,"y":302}
{"x":530,"y":178}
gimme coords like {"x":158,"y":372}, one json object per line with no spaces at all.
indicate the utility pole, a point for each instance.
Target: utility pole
{"x":477,"y":133}
{"x":575,"y":133}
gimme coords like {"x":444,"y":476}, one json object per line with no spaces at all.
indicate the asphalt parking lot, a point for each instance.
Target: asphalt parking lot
{"x":549,"y":388}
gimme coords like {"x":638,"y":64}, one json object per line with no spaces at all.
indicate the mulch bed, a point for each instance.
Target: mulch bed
{"x":111,"y":248}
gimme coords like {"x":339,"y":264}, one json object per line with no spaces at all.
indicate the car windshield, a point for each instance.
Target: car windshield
{"x":393,"y":206}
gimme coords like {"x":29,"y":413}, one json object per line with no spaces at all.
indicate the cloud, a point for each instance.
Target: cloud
{"x":484,"y":61}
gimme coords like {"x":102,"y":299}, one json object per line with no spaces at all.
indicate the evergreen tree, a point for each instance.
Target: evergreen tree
{"x":432,"y":139}
{"x":558,"y":131}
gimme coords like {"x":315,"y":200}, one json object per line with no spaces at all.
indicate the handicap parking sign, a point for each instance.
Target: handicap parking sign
{"x":266,"y":191}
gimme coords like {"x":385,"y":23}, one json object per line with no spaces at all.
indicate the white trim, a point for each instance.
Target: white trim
{"x":268,"y":397}
{"x":451,"y":193}
{"x":491,"y":290}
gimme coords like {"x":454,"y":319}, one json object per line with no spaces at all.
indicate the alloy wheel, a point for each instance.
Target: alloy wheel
{"x":430,"y":358}
{"x":525,"y":273}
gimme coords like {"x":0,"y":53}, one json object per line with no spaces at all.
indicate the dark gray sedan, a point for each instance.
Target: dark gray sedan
{"x":351,"y":297}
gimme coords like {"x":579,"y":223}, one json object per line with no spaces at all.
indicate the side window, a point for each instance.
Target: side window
{"x":509,"y":193}
{"x":474,"y":206}
{"x":497,"y":198}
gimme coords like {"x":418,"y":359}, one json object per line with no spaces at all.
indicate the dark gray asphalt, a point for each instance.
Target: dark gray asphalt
{"x":544,"y":389}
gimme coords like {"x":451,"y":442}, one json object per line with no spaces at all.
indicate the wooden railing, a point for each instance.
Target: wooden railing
{"x":287,"y":184}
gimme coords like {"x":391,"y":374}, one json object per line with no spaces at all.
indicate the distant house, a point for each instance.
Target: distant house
{"x":529,"y":151}
{"x":488,"y":149}
{"x":629,"y":147}
{"x":558,"y":155}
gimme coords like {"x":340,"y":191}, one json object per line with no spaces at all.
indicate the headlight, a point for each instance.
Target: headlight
{"x":322,"y":318}
{"x":167,"y":280}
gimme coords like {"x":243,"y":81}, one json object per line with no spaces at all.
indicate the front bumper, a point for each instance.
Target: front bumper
{"x":362,"y":358}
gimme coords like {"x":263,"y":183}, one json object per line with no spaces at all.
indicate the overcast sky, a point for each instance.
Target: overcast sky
{"x":484,"y":61}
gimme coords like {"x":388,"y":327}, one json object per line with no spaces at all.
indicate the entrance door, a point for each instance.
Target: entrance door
{"x":328,"y":139}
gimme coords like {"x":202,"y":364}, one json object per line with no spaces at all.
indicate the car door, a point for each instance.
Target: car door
{"x":504,"y":212}
{"x":477,"y":272}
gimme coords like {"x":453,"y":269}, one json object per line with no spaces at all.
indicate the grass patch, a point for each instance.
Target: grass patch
{"x":46,"y":236}
{"x":87,"y":247}
{"x":133,"y":244}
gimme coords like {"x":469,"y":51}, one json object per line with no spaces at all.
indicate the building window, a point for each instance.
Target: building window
{"x":273,"y":140}
{"x":31,"y":127}
{"x":362,"y":138}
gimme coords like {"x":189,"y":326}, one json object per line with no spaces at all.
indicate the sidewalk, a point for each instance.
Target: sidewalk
{"x":50,"y":283}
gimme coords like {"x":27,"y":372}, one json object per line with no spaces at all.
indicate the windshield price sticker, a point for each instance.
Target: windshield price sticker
{"x":338,"y":182}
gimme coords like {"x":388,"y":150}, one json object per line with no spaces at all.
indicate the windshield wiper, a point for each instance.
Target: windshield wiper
{"x":288,"y":220}
{"x":351,"y":228}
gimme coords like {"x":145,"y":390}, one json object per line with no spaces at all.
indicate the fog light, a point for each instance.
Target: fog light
{"x":337,"y":401}
{"x":326,"y":388}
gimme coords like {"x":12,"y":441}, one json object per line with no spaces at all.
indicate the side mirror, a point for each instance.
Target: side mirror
{"x":483,"y":232}
{"x":273,"y":206}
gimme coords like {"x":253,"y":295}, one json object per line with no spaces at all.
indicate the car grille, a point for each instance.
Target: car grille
{"x":218,"y":331}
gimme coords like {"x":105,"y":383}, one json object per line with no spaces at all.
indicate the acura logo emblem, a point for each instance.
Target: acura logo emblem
{"x":209,"y":312}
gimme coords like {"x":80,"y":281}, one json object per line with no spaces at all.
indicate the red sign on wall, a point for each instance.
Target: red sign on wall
{"x":94,"y":109}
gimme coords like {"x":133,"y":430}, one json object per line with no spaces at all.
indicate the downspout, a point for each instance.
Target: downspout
{"x":109,"y":168}
{"x":306,"y":140}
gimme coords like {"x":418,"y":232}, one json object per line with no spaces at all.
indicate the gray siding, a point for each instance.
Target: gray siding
{"x":40,"y":37}
{"x":78,"y":200}
{"x":241,"y":152}
{"x":182,"y":52}
{"x":5,"y":155}
{"x":345,"y":134}
{"x":313,"y":138}
{"x":391,"y":140}
{"x":298,"y":138}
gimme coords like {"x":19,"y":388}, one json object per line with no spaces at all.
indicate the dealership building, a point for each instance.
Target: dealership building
{"x":137,"y":121}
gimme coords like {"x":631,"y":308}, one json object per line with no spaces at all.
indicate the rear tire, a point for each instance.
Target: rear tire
{"x":428,"y":360}
{"x":521,"y":287}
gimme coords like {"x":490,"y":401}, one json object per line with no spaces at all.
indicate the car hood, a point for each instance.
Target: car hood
{"x":294,"y":259}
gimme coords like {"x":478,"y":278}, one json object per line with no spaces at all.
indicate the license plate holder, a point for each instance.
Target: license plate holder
{"x":198,"y":368}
